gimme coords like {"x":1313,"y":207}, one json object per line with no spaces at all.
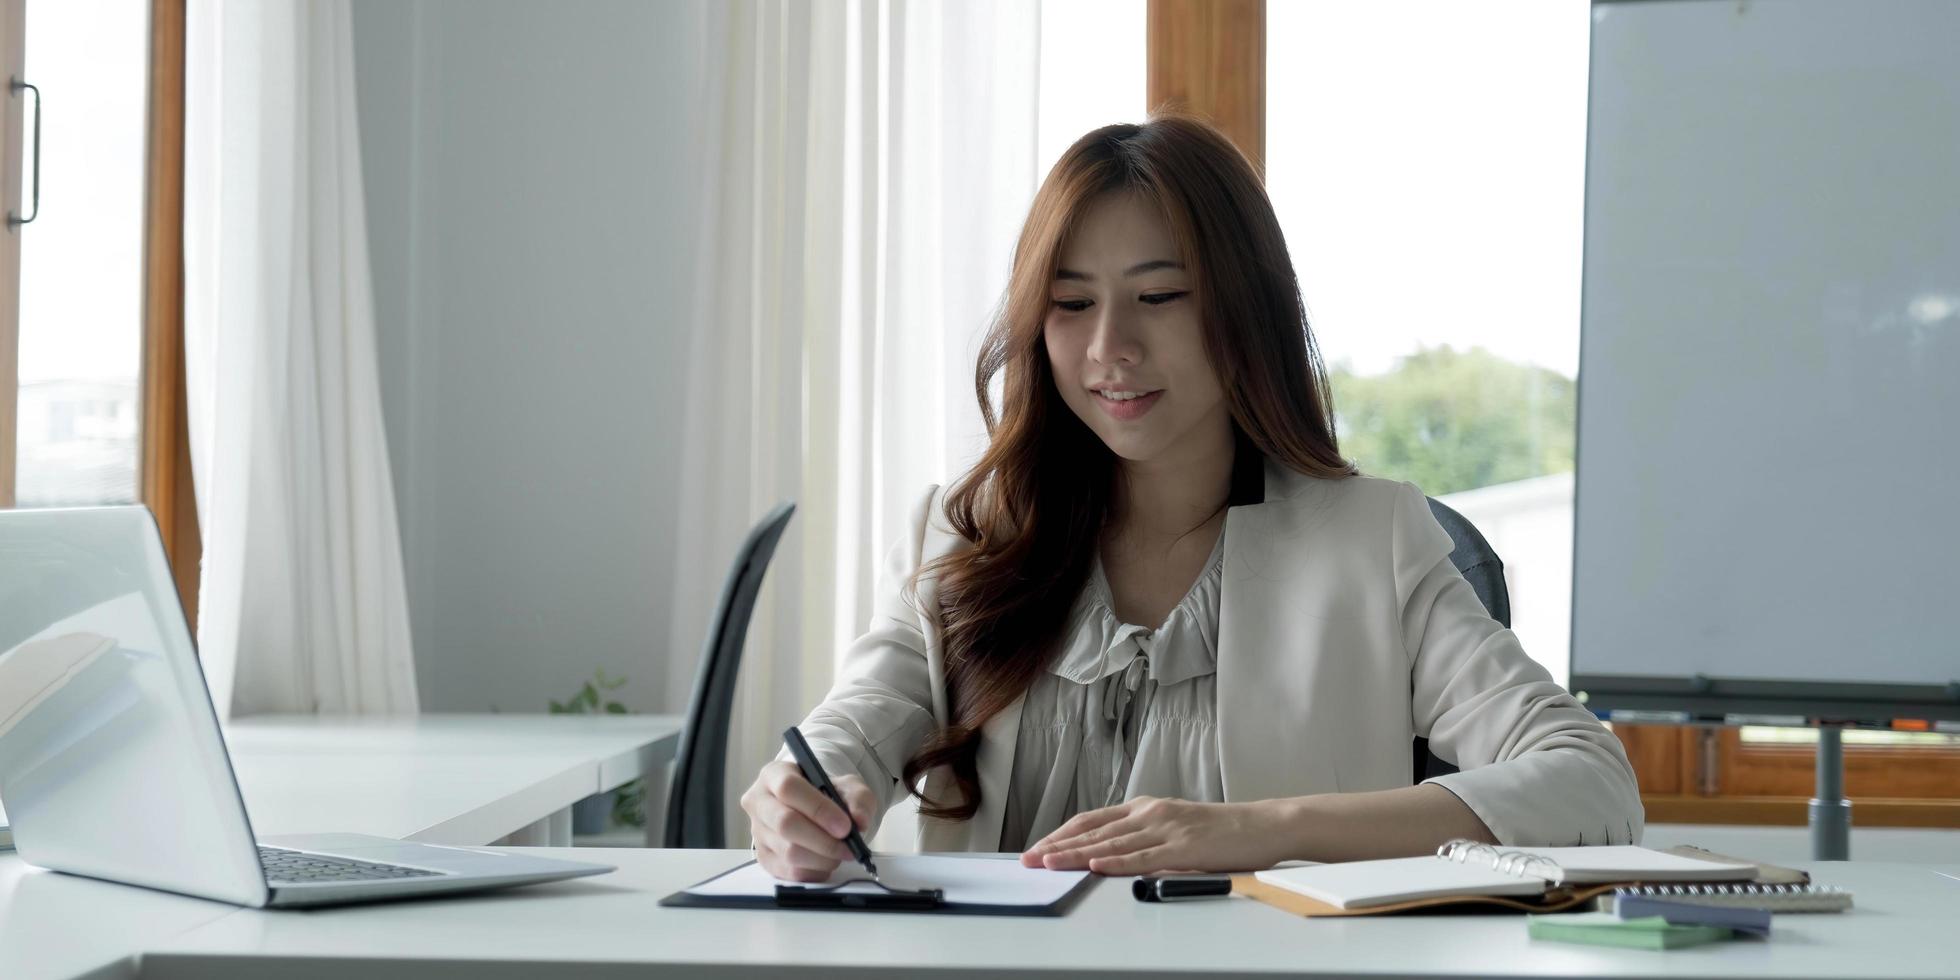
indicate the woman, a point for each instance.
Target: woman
{"x":1162,"y":623}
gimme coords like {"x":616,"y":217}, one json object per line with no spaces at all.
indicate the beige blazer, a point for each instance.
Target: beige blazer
{"x":1344,"y":632}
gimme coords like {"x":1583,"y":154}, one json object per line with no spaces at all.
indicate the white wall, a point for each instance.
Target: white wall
{"x":529,"y":193}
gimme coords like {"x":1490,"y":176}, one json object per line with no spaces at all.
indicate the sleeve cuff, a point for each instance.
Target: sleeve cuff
{"x":1518,"y":817}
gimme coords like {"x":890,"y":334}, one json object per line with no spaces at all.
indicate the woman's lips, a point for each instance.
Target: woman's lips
{"x":1127,"y":410}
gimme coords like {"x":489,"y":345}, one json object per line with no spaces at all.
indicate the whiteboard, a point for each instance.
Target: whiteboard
{"x":1769,"y":391}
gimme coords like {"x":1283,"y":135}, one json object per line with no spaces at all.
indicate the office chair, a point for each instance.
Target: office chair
{"x":694,"y":793}
{"x":1480,"y":566}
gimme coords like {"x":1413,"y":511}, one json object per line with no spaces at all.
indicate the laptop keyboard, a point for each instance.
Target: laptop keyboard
{"x":300,"y":868}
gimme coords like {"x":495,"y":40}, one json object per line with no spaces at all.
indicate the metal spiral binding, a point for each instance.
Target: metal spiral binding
{"x":1752,"y":890}
{"x":1518,"y":864}
{"x":1792,"y":897}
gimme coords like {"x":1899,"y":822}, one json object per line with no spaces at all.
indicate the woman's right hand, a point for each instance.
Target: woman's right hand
{"x":798,"y":832}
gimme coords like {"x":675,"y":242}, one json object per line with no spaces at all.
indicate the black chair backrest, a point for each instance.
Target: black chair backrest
{"x":1480,"y":566}
{"x":1474,"y":557}
{"x":694,"y":794}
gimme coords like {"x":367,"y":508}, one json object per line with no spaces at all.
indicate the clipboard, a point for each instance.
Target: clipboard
{"x":970,"y":886}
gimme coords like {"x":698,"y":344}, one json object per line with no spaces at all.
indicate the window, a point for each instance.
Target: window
{"x":91,"y":291}
{"x":1092,"y":72}
{"x":81,"y":259}
{"x":1427,"y":164}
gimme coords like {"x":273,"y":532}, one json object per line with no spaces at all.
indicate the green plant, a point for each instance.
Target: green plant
{"x":590,"y":699}
{"x":629,"y":801}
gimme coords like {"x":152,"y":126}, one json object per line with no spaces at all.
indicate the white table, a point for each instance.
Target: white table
{"x":443,"y":779}
{"x":446,"y":779}
{"x":60,"y":926}
{"x":611,"y":926}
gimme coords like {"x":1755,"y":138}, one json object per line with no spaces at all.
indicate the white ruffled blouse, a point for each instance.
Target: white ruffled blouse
{"x":1124,"y":711}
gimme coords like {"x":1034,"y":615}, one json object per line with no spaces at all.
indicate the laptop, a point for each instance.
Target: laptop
{"x":111,"y":759}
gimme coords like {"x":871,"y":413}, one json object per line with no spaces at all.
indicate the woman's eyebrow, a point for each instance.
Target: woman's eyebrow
{"x":1136,"y":270}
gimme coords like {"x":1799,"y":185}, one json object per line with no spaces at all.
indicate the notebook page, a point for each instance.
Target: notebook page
{"x":1581,"y":865}
{"x":966,"y":880}
{"x":1366,"y":884}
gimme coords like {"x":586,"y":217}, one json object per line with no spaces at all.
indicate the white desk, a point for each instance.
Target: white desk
{"x":57,"y":926}
{"x":448,"y":779}
{"x":442,"y":779}
{"x":610,"y":926}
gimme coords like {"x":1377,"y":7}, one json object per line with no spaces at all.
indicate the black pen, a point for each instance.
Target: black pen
{"x":806,"y":760}
{"x":1173,"y":888}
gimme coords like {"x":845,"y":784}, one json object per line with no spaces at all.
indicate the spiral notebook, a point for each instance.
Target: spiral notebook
{"x":1774,"y":898}
{"x":1465,"y":869}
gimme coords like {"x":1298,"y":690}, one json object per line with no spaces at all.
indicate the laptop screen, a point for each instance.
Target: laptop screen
{"x":111,"y":761}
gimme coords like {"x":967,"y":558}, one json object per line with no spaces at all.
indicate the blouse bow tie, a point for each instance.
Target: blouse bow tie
{"x":1122,"y":706}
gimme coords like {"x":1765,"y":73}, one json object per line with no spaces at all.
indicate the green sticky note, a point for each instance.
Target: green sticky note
{"x":1607,"y":929}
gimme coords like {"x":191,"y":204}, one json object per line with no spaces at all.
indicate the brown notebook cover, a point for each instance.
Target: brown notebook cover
{"x":1559,"y":899}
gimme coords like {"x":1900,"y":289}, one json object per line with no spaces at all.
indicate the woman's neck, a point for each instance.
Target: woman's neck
{"x":1165,"y":499}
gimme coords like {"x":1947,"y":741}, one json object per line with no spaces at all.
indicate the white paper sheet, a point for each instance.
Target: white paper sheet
{"x":1623,"y":862}
{"x":966,"y":880}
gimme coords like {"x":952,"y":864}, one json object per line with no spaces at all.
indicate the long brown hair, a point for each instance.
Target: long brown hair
{"x":1034,"y":506}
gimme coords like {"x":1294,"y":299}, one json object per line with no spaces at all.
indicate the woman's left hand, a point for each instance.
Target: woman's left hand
{"x":1148,"y":834}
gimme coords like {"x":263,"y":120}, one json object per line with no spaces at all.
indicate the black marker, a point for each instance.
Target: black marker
{"x":813,"y":771}
{"x":1173,"y":888}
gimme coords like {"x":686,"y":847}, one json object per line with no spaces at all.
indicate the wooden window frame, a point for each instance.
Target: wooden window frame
{"x":164,"y":483}
{"x":1695,"y":774}
{"x":1208,"y":58}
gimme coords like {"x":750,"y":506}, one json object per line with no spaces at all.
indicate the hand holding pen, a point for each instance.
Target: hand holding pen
{"x":799,"y":832}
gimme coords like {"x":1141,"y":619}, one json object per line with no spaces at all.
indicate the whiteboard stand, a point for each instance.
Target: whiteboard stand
{"x":1830,"y":812}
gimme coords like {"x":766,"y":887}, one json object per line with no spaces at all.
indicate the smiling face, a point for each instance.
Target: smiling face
{"x":1125,"y":338}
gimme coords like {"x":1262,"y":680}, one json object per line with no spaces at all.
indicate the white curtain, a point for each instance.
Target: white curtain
{"x":302,"y":601}
{"x":866,"y":166}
